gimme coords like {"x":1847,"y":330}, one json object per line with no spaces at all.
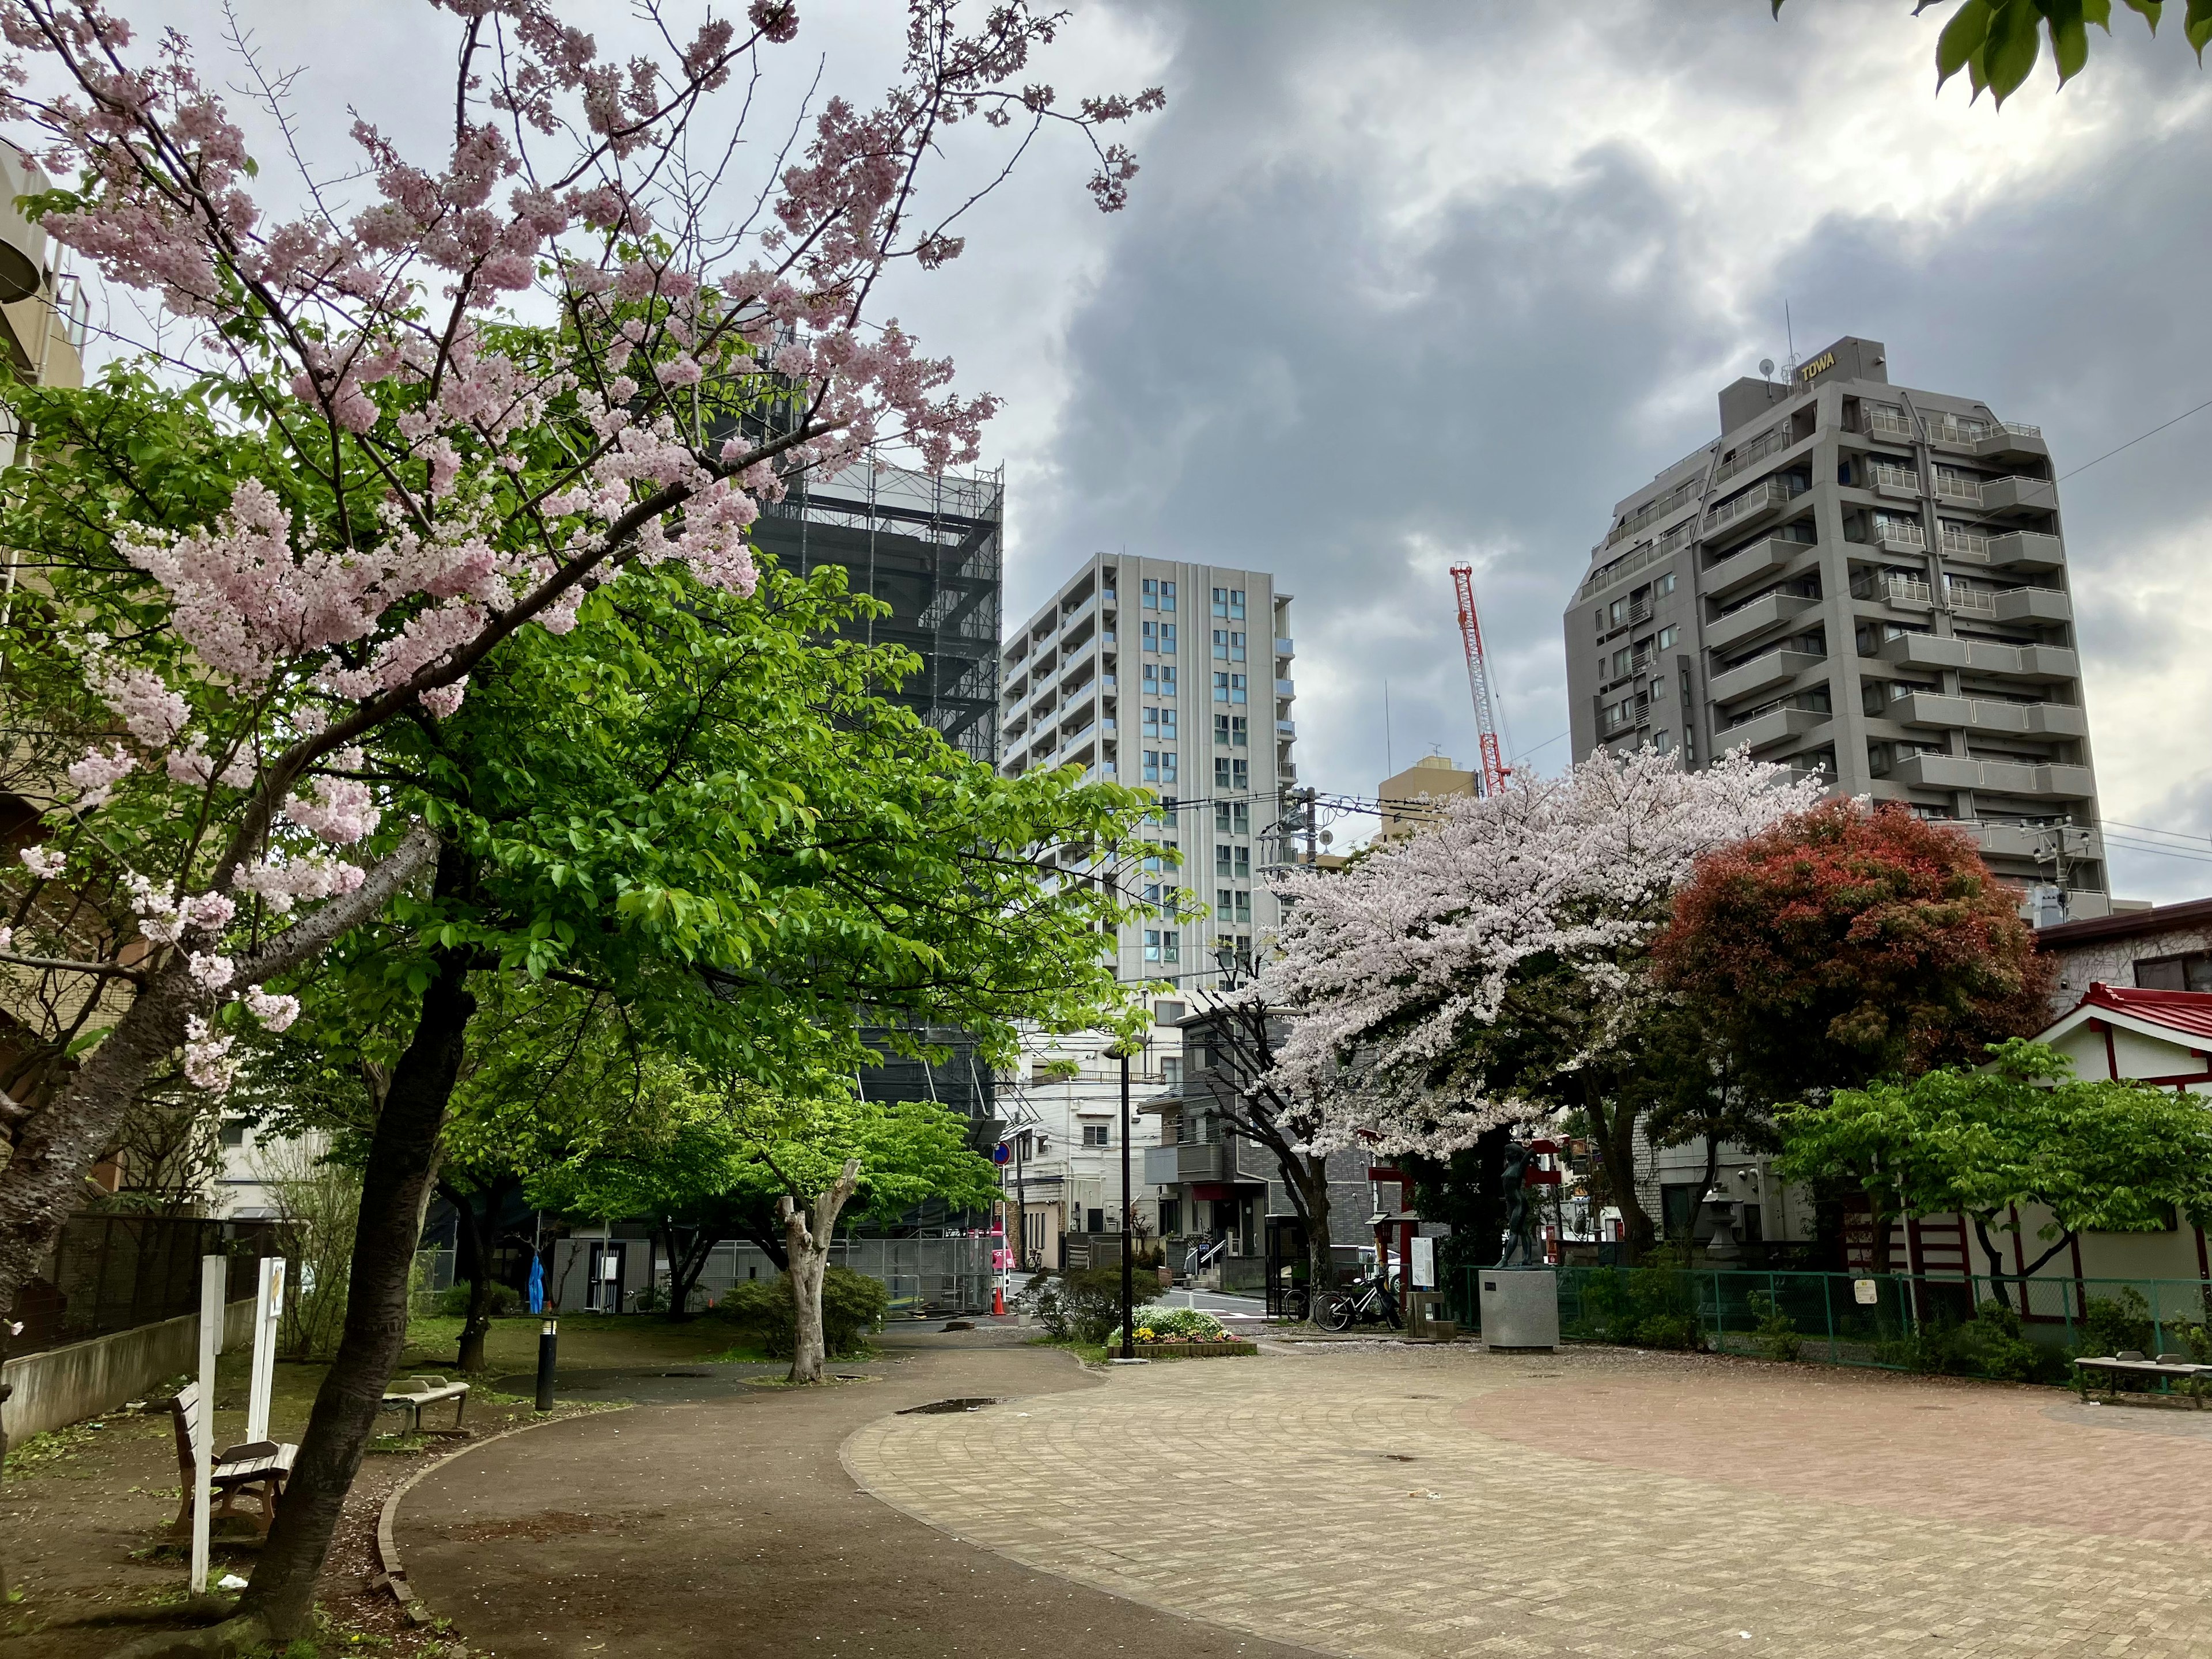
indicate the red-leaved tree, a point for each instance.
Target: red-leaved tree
{"x":1847,"y":944}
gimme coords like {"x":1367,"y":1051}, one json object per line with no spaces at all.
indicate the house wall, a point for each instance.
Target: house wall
{"x":2112,"y":961}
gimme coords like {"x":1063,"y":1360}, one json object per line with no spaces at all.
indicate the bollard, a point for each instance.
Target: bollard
{"x":549,"y":1341}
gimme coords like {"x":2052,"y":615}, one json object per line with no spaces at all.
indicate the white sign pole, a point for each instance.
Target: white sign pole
{"x":214,"y":1281}
{"x":268,"y":1310}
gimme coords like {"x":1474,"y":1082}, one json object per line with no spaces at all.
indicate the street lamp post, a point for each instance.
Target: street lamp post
{"x":1129,"y":1279}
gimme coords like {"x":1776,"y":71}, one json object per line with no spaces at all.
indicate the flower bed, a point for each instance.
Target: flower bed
{"x":1221,"y":1348}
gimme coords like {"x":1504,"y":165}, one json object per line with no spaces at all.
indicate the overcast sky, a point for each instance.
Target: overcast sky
{"x":1406,"y":284}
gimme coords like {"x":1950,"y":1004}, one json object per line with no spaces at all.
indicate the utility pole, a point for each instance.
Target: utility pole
{"x":1128,"y":1267}
{"x":1312,"y":826}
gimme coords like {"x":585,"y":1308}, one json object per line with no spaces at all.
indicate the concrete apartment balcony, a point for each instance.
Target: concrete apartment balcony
{"x":1899,"y":483}
{"x":2035,"y":720}
{"x":2040,"y":662}
{"x":1775,"y":726}
{"x":1756,"y":619}
{"x":1208,"y":1160}
{"x":1286,"y":647}
{"x":2012,"y":441}
{"x":2025,"y":551}
{"x":2032,"y":841}
{"x":1762,"y":500}
{"x":1899,"y":535}
{"x":1286,"y":689}
{"x":1761,"y":673}
{"x":2050,"y":605}
{"x":2020,"y":495}
{"x":1899,"y":591}
{"x":1766,"y":557}
{"x":1999,"y":777}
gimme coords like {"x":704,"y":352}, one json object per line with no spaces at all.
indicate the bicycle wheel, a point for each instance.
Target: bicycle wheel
{"x":1336,"y":1314}
{"x":1295,"y":1303}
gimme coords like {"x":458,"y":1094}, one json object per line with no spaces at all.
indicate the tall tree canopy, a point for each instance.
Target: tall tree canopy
{"x":1848,"y":943}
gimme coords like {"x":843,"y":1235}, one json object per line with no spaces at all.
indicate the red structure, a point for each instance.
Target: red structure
{"x":1478,"y":680}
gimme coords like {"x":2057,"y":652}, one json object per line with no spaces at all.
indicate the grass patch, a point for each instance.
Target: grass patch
{"x":1090,"y":1354}
{"x":42,"y":1452}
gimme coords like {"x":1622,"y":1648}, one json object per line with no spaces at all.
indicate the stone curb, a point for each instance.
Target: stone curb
{"x":392,"y":1575}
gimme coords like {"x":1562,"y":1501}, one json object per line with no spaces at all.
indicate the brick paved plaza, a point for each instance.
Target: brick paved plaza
{"x":1389,"y":1502}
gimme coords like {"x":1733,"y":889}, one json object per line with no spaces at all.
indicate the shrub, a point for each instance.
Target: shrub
{"x":2114,"y":1325}
{"x":1775,"y":1334}
{"x":1079,"y":1304}
{"x":1667,"y":1330}
{"x":453,"y":1300}
{"x":852,"y":1304}
{"x":1990,"y":1344}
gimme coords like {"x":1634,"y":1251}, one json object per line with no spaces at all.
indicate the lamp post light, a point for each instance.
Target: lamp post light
{"x":1128,"y":1267}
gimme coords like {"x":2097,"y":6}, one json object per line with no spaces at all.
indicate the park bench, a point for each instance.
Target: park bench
{"x":260,"y":1465}
{"x":2117,"y":1368}
{"x":412,"y":1394}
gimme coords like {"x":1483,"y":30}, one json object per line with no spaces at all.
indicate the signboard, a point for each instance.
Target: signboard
{"x":1425,"y":1263}
{"x":1003,"y":1153}
{"x":1866,"y":1291}
{"x":1809,"y":372}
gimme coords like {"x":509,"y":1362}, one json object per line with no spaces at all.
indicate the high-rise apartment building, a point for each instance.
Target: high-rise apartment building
{"x":1174,"y":677}
{"x":1864,"y":581}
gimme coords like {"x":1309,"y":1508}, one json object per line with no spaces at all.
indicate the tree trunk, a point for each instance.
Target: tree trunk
{"x":687,"y":1259}
{"x":806,"y":1235}
{"x":1321,"y":1260}
{"x":1996,"y":1265}
{"x":1616,"y":1132}
{"x":395,"y":1192}
{"x":473,"y":1259}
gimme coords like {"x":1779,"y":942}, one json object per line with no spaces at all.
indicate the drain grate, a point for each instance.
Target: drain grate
{"x":941,"y":1405}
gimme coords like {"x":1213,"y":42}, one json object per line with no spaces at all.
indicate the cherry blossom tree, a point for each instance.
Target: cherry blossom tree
{"x":331,"y":483}
{"x":1496,"y":969}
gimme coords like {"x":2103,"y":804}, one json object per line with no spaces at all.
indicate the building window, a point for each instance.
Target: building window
{"x":1224,"y":900}
{"x":1152,"y":723}
{"x":1151,"y":766}
{"x":1167,"y":1013}
{"x":233,"y":1133}
{"x":1236,"y":647}
{"x":1152,"y":594}
{"x":1152,"y":636}
{"x":1621,"y":659}
{"x":1167,"y":766}
{"x":1171,"y":1068}
{"x":1151,"y":680}
{"x":1168,"y":725}
{"x":1151,"y":945}
{"x":1150,"y":893}
{"x":1663,"y":740}
{"x":1221,"y":730}
{"x":1097,"y":1134}
{"x":1240,"y":732}
{"x":1167,"y":636}
{"x":1617,"y":612}
{"x":1221,"y":860}
{"x":1664,"y":586}
{"x":1221,"y":688}
{"x":1243,"y":864}
{"x":1240,"y":776}
{"x":1658,"y":687}
{"x":1667,"y":635}
{"x":1236,"y":688}
{"x":1097,"y":1220}
{"x":1167,"y":680}
{"x":2188,"y":973}
{"x":1244,"y":906}
{"x":1230,"y":818}
{"x":1167,"y":599}
{"x":1221,"y":772}
{"x":1220,"y":601}
{"x":1237,"y":602}
{"x":1170,"y":946}
{"x":1221,"y":644}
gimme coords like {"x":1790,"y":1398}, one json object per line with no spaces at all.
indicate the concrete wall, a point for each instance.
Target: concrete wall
{"x":83,"y":1379}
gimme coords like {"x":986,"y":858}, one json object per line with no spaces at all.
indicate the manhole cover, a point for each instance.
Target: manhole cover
{"x":936,"y":1406}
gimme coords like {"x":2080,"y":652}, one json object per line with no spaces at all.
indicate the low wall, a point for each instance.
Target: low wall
{"x":68,"y":1384}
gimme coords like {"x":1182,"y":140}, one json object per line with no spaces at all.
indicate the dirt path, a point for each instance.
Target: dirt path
{"x":723,"y":1524}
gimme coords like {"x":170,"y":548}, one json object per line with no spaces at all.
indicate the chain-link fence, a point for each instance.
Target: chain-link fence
{"x":1988,"y":1325}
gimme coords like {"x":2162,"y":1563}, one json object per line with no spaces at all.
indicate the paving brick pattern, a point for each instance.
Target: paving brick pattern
{"x":1425,"y":1503}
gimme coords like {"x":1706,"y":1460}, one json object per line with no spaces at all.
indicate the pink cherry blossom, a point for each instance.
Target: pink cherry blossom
{"x":44,"y":862}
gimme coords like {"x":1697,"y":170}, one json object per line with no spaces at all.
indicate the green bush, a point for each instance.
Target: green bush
{"x":1775,"y":1334}
{"x":1990,"y":1344}
{"x":2115,"y":1324}
{"x":453,"y":1301}
{"x":1169,"y":1324}
{"x":1648,"y":1307}
{"x":852,"y":1305}
{"x":1081,"y":1305}
{"x":1667,"y":1330}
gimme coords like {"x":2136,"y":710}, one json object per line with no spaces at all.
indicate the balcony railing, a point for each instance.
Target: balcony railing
{"x":1890,"y":589}
{"x":1766,"y":493}
{"x":1771,"y":443}
{"x":1656,"y":508}
{"x":1965,"y":544}
{"x":1889,"y":423}
{"x":1887,"y":474}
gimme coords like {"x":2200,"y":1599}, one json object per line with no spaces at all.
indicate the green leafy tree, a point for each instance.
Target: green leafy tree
{"x":2101,"y":1156}
{"x":1997,"y":43}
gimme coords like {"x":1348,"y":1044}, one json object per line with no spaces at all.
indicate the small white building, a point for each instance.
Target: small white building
{"x":1063,"y":1112}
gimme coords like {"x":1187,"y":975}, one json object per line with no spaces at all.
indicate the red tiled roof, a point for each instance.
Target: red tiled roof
{"x":2188,"y":1012}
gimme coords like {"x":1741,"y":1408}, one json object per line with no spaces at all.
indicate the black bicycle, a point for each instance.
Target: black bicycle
{"x":1369,"y":1301}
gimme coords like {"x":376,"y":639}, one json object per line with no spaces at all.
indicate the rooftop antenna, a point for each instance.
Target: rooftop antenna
{"x":1766,"y":367}
{"x":1790,"y":332}
{"x":1390,"y":762}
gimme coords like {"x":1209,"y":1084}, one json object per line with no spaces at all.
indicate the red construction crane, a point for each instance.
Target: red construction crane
{"x":1478,"y":681}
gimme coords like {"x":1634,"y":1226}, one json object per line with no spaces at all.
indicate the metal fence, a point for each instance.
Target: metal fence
{"x":115,"y":1273}
{"x":1987,"y":1325}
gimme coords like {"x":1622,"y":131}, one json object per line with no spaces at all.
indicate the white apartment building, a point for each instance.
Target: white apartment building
{"x":1188,"y":694}
{"x":1062,"y":1108}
